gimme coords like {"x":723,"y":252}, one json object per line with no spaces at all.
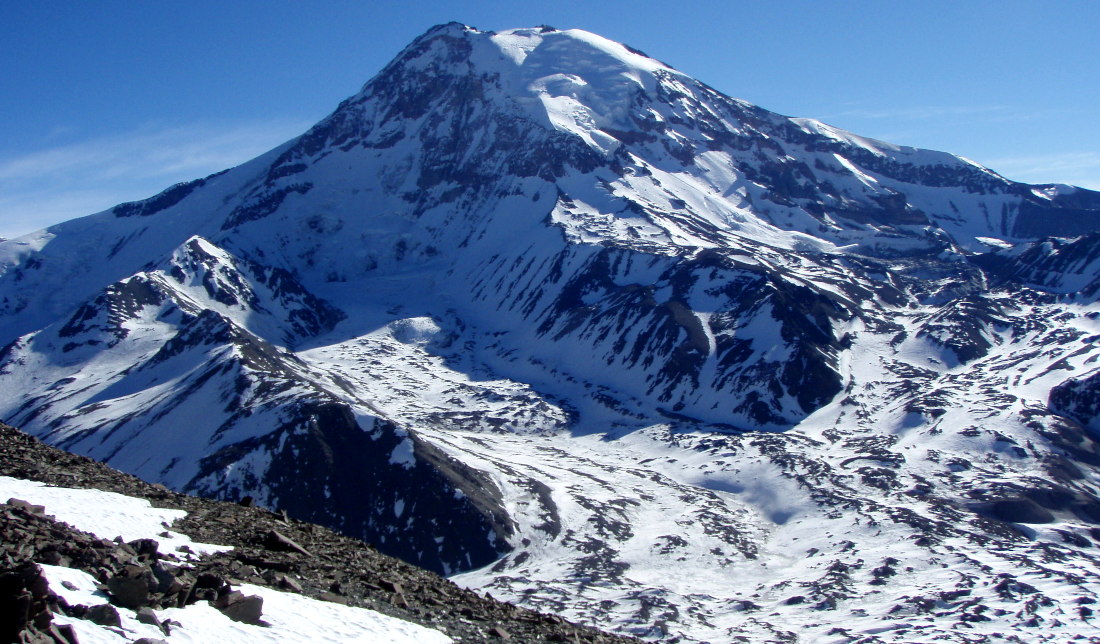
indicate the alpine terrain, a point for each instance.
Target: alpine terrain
{"x":540,"y":313}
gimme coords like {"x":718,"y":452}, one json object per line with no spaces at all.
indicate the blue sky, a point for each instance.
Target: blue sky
{"x":110,"y":101}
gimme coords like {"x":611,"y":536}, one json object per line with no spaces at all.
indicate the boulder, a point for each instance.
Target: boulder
{"x":132,"y":586}
{"x":104,"y":615}
{"x":240,"y":607}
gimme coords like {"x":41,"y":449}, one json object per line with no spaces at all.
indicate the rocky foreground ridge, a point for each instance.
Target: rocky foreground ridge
{"x":269,"y":549}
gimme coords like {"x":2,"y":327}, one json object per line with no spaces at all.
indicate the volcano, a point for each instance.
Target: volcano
{"x":539,"y":312}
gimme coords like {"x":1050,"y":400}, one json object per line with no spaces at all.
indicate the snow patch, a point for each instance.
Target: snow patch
{"x":288,"y":617}
{"x":107,"y":515}
{"x":403,"y":454}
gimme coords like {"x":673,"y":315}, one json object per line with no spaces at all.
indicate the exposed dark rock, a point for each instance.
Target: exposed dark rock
{"x":240,"y":607}
{"x":326,"y":463}
{"x":1079,"y":399}
{"x":274,"y":540}
{"x":145,"y":615}
{"x":26,"y":604}
{"x":1020,"y":511}
{"x":162,"y":201}
{"x":144,"y":548}
{"x":1069,"y":215}
{"x":963,"y":326}
{"x":104,"y":615}
{"x":34,"y":509}
{"x":391,"y":586}
{"x":131,"y":586}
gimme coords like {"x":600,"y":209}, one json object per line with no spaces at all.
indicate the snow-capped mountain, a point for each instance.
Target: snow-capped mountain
{"x":537,"y":310}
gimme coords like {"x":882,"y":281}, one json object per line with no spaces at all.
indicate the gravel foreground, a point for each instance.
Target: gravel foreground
{"x":269,"y":549}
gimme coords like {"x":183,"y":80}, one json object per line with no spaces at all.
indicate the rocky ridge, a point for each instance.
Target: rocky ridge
{"x":269,"y":549}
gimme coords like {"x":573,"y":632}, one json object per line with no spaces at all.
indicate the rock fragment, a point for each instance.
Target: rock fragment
{"x":240,"y":607}
{"x":275,"y":540}
{"x":132,"y":586}
{"x":104,"y":615}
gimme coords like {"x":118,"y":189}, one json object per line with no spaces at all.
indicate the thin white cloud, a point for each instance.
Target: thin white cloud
{"x":25,"y":212}
{"x":51,"y":185}
{"x":1075,"y":168}
{"x":924,"y":112}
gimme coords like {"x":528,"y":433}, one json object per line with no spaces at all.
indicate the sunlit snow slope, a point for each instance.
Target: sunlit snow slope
{"x":538,"y":311}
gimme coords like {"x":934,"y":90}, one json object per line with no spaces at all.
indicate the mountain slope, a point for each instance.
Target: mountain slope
{"x":537,"y":309}
{"x":322,"y":592}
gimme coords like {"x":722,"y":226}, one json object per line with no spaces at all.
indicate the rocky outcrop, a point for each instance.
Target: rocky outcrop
{"x":133,"y":575}
{"x":1079,"y":398}
{"x":269,"y":549}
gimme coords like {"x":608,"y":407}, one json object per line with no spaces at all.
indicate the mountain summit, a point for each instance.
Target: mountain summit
{"x":537,"y":311}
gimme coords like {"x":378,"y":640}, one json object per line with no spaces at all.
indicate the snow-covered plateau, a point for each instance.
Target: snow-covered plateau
{"x":538,"y":312}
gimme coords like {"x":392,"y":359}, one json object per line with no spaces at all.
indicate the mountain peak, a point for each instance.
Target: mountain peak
{"x":571,"y":46}
{"x":570,"y":80}
{"x":571,"y":50}
{"x":539,"y":308}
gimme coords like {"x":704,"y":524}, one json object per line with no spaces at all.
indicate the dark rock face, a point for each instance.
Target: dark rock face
{"x":1040,"y":502}
{"x":240,"y":607}
{"x":24,"y":599}
{"x":764,"y":355}
{"x":263,"y":204}
{"x":1079,"y":399}
{"x":1020,"y":511}
{"x":965,"y":326}
{"x":377,"y":483}
{"x":104,"y":615}
{"x":1059,"y":265}
{"x":1066,"y":215}
{"x":160,"y":202}
{"x":131,"y":586}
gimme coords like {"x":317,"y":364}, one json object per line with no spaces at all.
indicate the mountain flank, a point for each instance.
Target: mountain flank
{"x":539,"y":313}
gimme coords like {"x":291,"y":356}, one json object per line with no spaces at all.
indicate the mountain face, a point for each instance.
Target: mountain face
{"x":538,"y":311}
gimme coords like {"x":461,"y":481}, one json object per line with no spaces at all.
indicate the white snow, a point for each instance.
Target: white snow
{"x":287,"y":617}
{"x":107,"y":515}
{"x":403,"y":454}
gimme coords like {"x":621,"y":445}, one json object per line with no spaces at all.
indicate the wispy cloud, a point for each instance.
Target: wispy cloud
{"x":927,"y":112}
{"x":1076,"y":168}
{"x":922,"y":116}
{"x":54,"y":184}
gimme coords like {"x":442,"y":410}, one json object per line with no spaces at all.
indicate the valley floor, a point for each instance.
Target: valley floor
{"x":847,"y":527}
